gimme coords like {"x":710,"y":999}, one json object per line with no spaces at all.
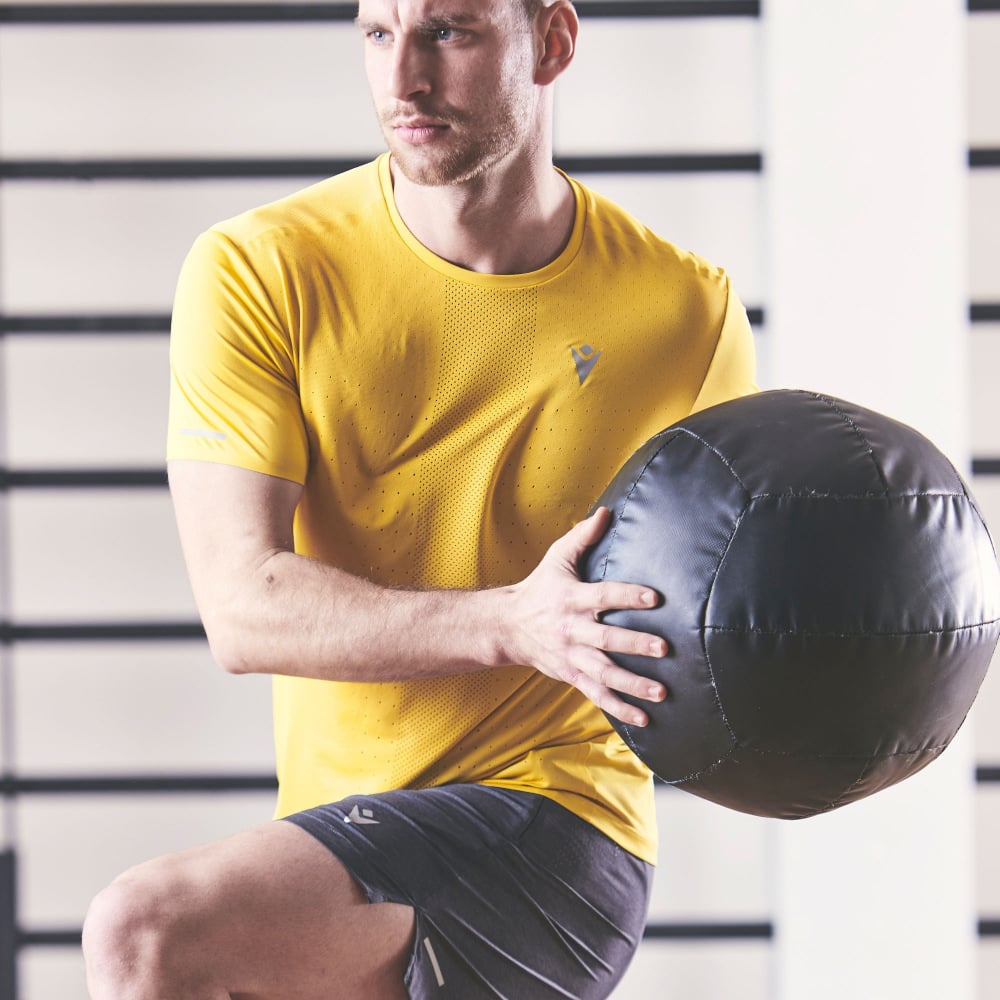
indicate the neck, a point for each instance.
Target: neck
{"x":505,"y":222}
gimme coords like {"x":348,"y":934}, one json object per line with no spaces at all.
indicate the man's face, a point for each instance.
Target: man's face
{"x":452,"y":81}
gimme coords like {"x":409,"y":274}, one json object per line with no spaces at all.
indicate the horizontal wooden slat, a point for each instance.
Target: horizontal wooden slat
{"x":138,"y":784}
{"x":315,"y":168}
{"x":136,"y":13}
{"x":148,"y":631}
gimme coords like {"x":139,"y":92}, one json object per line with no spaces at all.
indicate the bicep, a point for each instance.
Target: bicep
{"x":732,"y":369}
{"x":230,"y":521}
{"x":234,"y":389}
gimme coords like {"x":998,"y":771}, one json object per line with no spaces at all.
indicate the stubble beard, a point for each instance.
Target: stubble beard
{"x":464,"y":153}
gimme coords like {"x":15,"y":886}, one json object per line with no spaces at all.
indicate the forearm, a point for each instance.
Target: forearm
{"x":297,"y":616}
{"x":267,"y":609}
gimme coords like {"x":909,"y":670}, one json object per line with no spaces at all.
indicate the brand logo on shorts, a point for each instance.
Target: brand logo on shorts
{"x":434,"y":961}
{"x":584,"y":357}
{"x":360,"y":816}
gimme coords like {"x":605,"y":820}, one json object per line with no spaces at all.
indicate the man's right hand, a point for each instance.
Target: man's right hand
{"x":552,"y":622}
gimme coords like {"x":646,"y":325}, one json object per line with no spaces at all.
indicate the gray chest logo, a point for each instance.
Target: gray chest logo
{"x":584,"y":357}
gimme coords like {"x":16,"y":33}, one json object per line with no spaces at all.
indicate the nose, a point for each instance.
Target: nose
{"x":409,"y":72}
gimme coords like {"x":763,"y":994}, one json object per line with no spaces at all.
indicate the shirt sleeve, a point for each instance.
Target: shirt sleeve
{"x":732,"y":370}
{"x":233,"y":375}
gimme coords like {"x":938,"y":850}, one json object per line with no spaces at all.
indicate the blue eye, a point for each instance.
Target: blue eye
{"x":444,"y":34}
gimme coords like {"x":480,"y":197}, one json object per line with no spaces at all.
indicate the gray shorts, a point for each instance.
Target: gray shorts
{"x":514,"y":896}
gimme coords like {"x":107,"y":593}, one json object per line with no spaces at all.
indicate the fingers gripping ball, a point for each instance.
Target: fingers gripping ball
{"x":831,"y":600}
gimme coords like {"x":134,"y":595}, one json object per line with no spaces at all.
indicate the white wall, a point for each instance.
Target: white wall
{"x":866,"y":242}
{"x":90,"y":400}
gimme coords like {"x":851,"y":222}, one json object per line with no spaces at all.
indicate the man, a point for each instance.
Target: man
{"x":393,"y":394}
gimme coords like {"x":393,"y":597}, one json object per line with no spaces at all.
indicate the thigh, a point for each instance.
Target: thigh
{"x":270,"y":914}
{"x":514,"y":896}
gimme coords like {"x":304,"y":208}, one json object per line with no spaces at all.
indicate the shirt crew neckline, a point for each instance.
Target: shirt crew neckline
{"x":527,"y":279}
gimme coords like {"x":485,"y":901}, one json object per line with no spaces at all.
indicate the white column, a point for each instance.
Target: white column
{"x":865,"y":179}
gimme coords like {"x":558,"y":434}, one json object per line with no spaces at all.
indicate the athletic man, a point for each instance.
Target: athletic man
{"x":393,"y":394}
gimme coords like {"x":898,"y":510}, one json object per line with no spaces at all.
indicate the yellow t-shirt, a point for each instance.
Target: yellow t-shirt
{"x":447,"y":426}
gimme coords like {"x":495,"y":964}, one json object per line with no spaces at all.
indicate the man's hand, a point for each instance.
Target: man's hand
{"x":554,"y":625}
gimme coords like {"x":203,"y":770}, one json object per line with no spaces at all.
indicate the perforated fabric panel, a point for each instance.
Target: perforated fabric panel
{"x":486,"y":355}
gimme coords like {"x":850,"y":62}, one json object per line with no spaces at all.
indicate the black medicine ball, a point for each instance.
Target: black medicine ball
{"x":830,"y":596}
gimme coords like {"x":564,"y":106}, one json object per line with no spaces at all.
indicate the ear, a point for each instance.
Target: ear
{"x":557,"y":27}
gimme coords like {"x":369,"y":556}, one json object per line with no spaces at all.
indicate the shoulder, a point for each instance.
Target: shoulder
{"x":275,"y":246}
{"x":336,"y":203}
{"x":616,"y":234}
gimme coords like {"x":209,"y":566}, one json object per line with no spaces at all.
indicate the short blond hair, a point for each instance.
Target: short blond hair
{"x":532,"y":7}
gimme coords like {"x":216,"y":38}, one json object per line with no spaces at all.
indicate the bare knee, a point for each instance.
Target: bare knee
{"x":266,"y":913}
{"x":134,"y":936}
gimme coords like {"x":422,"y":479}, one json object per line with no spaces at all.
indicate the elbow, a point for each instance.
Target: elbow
{"x":231,"y":662}
{"x":240,"y":622}
{"x":229,"y":647}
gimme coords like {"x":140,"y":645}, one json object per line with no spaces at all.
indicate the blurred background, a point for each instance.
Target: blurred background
{"x":127,"y":128}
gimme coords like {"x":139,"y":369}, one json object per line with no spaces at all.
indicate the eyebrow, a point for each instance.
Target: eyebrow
{"x":446,"y":19}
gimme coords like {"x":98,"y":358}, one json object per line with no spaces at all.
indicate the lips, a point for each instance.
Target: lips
{"x":421,"y":122}
{"x":418,"y":130}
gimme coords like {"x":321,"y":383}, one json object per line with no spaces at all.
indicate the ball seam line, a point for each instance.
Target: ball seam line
{"x":832,"y":404}
{"x":851,"y":635}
